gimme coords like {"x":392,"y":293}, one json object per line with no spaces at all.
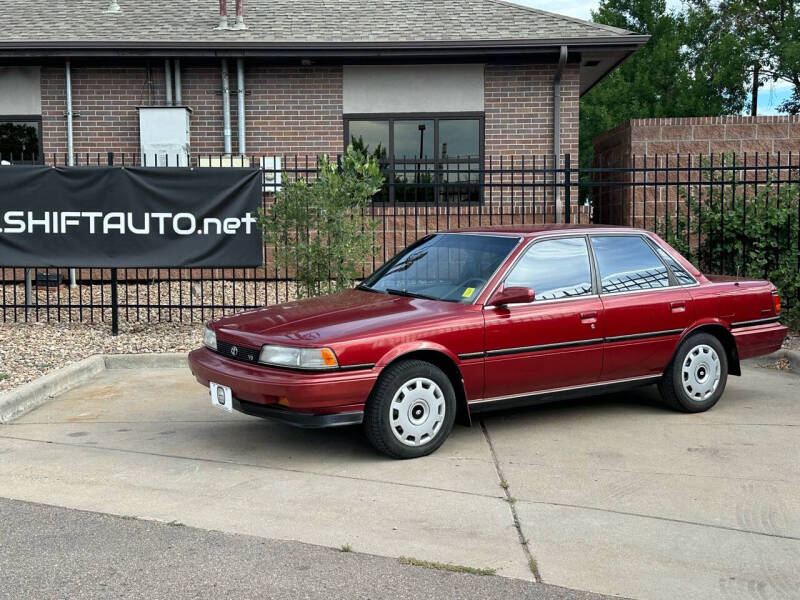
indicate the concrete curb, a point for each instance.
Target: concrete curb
{"x":33,"y":394}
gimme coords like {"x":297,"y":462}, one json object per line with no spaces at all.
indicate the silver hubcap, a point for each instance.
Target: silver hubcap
{"x":701,"y":372}
{"x":417,"y":412}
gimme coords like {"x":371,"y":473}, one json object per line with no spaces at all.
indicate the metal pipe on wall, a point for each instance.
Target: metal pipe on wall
{"x":168,"y":82}
{"x":178,"y":90}
{"x":70,"y":144}
{"x":562,"y":61}
{"x":240,"y":115}
{"x":226,"y":106}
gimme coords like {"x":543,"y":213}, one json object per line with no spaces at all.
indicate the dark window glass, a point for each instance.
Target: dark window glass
{"x":413,"y":140}
{"x":20,"y":141}
{"x":681,"y":274}
{"x":451,"y":267}
{"x":626,"y":263}
{"x":554,"y":269}
{"x":459,"y":138}
{"x":371,"y":137}
{"x":416,"y":169}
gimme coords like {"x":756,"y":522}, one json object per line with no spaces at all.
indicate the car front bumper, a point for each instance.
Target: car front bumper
{"x":299,"y":398}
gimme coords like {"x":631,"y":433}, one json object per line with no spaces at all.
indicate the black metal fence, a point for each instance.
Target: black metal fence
{"x":695,"y":202}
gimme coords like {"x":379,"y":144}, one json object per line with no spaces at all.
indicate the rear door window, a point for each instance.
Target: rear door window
{"x":627,"y":263}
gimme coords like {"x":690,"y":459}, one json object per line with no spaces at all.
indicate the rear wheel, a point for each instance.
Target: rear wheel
{"x":411,"y":411}
{"x":696,"y":377}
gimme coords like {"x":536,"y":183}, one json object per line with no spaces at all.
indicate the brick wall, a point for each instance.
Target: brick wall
{"x":692,"y":142}
{"x":519,"y":110}
{"x":289,"y":109}
{"x":698,"y":135}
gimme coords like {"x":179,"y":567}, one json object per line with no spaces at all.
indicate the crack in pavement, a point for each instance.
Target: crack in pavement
{"x":532,"y":563}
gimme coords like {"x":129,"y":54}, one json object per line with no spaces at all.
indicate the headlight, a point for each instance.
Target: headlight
{"x":209,"y":339}
{"x":299,"y":358}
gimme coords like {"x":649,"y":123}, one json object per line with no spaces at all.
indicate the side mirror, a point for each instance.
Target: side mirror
{"x":512,"y":295}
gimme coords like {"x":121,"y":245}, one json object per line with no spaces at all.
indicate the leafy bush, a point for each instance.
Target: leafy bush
{"x":319,"y":229}
{"x":747,"y":232}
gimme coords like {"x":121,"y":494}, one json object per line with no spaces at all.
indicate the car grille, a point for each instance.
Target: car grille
{"x":240,"y":353}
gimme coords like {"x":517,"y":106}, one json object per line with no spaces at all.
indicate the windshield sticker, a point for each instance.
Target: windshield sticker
{"x":468,"y":292}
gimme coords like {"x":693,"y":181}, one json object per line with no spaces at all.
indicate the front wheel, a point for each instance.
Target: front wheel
{"x":411,"y":411}
{"x":696,"y":377}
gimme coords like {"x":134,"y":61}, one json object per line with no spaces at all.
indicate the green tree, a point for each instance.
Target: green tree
{"x":681,"y":71}
{"x":320,"y":230}
{"x":765,"y":36}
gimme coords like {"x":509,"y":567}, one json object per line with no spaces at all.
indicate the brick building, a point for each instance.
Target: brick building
{"x":481,"y":77}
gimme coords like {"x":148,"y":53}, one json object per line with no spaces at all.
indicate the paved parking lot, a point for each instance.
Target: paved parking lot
{"x":614,"y":495}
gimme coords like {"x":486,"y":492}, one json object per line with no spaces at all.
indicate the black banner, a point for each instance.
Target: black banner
{"x":129,"y":217}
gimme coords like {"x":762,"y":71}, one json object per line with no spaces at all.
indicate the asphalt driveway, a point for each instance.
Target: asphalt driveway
{"x":615,"y":495}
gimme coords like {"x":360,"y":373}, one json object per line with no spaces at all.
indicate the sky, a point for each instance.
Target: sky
{"x":769,"y":97}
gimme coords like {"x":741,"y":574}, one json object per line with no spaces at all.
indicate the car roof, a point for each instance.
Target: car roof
{"x":536,"y":230}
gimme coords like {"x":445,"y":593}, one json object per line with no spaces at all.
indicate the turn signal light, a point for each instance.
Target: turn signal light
{"x":777,"y":300}
{"x":329,"y":357}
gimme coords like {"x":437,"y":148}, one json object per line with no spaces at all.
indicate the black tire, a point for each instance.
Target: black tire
{"x":694,"y":356}
{"x":378,"y":426}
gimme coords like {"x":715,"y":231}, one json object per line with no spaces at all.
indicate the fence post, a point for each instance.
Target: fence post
{"x":114,"y":304}
{"x":567,"y":191}
{"x":28,"y":289}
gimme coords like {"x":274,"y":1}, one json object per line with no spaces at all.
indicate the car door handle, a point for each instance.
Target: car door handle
{"x":678,"y":307}
{"x":589,"y":317}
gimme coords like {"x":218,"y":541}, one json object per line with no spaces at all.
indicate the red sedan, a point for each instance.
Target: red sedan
{"x":473,"y":320}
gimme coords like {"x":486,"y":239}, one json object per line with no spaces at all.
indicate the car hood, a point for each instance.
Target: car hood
{"x":325,"y":320}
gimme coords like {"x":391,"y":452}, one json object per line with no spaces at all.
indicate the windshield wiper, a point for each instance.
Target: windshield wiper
{"x":406,"y":264}
{"x":410,"y":294}
{"x":366,"y":288}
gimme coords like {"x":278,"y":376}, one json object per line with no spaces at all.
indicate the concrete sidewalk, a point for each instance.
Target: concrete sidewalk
{"x":614,"y":495}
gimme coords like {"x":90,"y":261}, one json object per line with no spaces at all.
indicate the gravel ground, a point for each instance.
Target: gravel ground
{"x":30,"y":350}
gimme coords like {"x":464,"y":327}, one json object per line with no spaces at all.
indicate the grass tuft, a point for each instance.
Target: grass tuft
{"x":504,"y":484}
{"x":426,"y":564}
{"x":534,"y":567}
{"x":4,"y":376}
{"x":346,"y":548}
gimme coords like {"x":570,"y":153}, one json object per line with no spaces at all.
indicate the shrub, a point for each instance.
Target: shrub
{"x":319,"y":229}
{"x":747,"y":232}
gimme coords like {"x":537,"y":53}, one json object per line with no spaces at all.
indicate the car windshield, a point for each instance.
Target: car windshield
{"x":450,"y":267}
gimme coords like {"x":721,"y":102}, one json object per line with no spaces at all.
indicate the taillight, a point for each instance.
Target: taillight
{"x":777,"y":299}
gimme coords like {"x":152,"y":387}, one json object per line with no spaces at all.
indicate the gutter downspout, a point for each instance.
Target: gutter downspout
{"x":562,"y":61}
{"x":226,"y":107}
{"x":178,"y":91}
{"x":168,"y":82}
{"x":70,"y":145}
{"x":240,"y":109}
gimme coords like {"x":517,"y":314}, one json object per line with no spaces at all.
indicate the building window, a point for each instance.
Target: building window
{"x":425,"y":158}
{"x":20,"y":139}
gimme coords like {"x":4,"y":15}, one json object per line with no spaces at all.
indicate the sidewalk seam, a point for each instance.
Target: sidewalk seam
{"x":510,"y":500}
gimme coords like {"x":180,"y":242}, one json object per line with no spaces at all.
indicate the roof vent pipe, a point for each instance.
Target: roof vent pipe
{"x":223,"y":15}
{"x":239,"y":24}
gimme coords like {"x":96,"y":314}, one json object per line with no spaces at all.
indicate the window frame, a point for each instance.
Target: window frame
{"x":27,"y":119}
{"x":479,"y":161}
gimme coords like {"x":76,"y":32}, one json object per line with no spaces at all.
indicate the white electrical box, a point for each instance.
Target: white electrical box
{"x":164,"y":135}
